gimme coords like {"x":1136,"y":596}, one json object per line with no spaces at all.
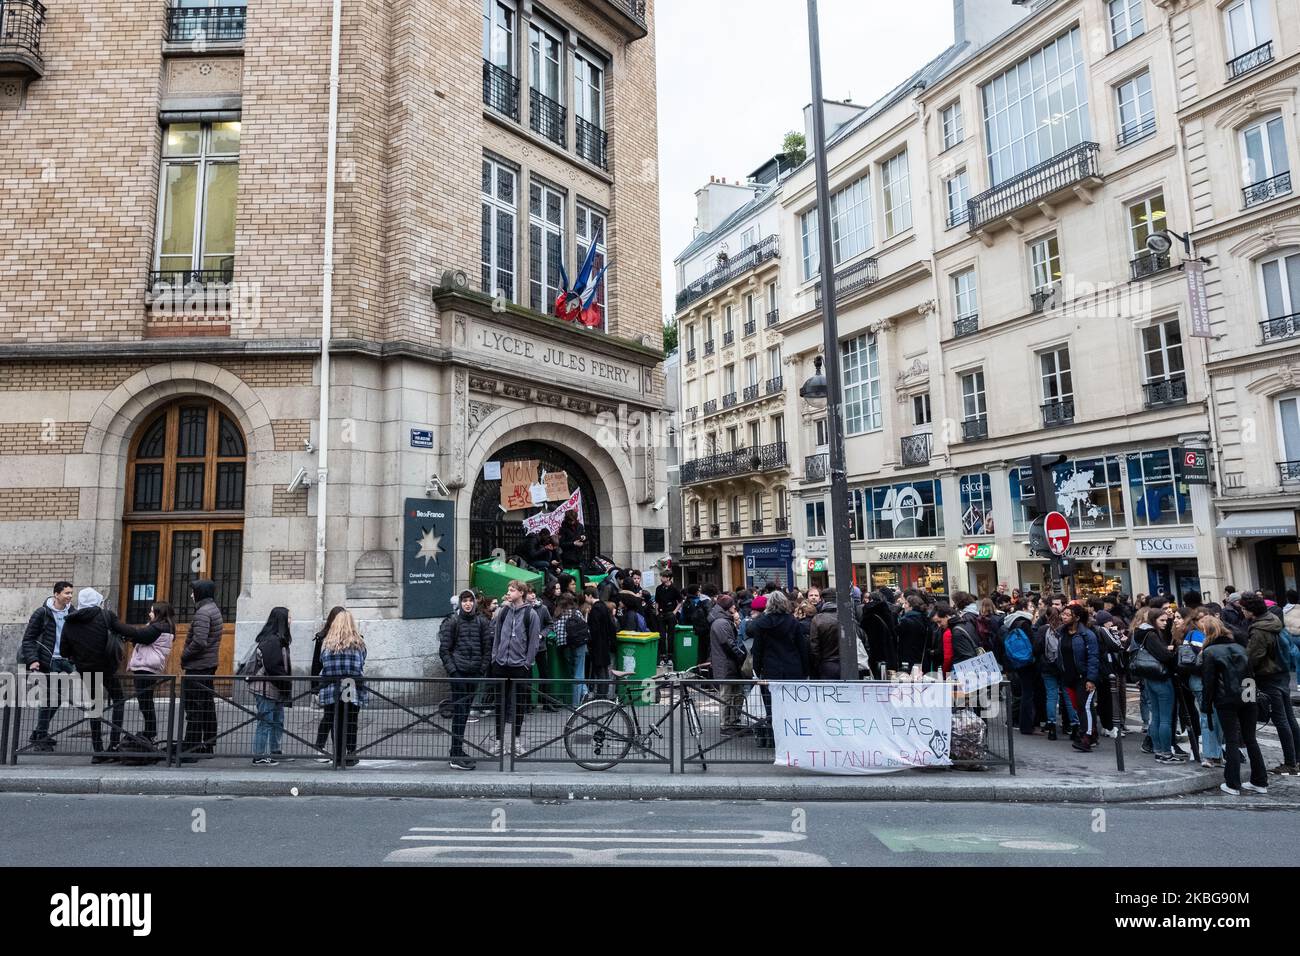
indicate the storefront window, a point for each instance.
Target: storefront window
{"x":1156,"y":487}
{"x":1087,"y":492}
{"x":912,"y":510}
{"x":857,"y":513}
{"x":1091,"y":578}
{"x":976,"y":504}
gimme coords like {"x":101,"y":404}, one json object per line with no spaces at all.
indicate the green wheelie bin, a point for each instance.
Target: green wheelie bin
{"x":686,"y":647}
{"x":639,"y":653}
{"x":492,"y":577}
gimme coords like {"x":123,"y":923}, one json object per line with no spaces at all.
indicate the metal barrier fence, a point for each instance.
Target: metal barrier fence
{"x":680,"y":724}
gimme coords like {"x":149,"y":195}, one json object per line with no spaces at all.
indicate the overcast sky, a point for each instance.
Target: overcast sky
{"x":733,"y":80}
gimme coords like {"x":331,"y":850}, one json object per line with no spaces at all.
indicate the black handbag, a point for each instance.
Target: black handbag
{"x":1144,"y":666}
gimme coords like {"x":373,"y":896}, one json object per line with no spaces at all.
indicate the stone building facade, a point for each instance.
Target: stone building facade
{"x":162,"y":227}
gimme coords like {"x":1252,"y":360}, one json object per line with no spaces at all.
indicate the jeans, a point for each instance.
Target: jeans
{"x":1211,"y":737}
{"x":1161,"y":695}
{"x":1238,"y":730}
{"x":1053,"y":683}
{"x":200,"y":711}
{"x":59,"y":665}
{"x":1277,"y":689}
{"x":462,"y":693}
{"x":578,"y":667}
{"x":1144,"y":705}
{"x":270,"y":725}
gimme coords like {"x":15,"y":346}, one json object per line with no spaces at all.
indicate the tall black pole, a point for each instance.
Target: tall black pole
{"x":840,"y":553}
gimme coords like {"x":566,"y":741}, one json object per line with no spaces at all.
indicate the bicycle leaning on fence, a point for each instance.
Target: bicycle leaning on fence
{"x":602,"y":732}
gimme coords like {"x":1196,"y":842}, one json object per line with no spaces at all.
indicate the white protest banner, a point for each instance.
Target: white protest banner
{"x":551,"y":520}
{"x":861,"y":728}
{"x":977,"y":673}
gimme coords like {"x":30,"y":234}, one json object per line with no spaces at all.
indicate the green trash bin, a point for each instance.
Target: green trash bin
{"x":686,"y":647}
{"x":558,"y":661}
{"x":639,"y":653}
{"x":492,"y":577}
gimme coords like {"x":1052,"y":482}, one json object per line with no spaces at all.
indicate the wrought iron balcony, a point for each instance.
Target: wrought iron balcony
{"x":1042,"y":183}
{"x":1060,"y":412}
{"x":756,"y":526}
{"x":1283,"y":327}
{"x":1041,"y":299}
{"x":729,"y":400}
{"x":1289,"y":470}
{"x":751,"y":327}
{"x":782,"y":524}
{"x":728,"y":270}
{"x":731,"y":464}
{"x":1165,"y":391}
{"x":209,"y":24}
{"x":966,"y":325}
{"x":501,"y":90}
{"x":547,"y":117}
{"x":715,"y":530}
{"x":975,"y":429}
{"x":915,"y":450}
{"x":773,"y":317}
{"x":692,"y":413}
{"x":774,"y":385}
{"x":728,"y":338}
{"x":710,"y":406}
{"x":735,"y":527}
{"x":592,"y":142}
{"x":708,"y":347}
{"x":695,"y":531}
{"x":20,"y":39}
{"x":817,"y":467}
{"x":1250,"y":60}
{"x":1130,"y":134}
{"x":690,"y":355}
{"x":751,"y":393}
{"x":178,"y":280}
{"x":1267,"y":189}
{"x":855,"y":278}
{"x":634,"y":12}
{"x":1146,"y":264}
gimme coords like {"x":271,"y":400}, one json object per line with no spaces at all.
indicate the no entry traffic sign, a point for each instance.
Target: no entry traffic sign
{"x":1057,"y":530}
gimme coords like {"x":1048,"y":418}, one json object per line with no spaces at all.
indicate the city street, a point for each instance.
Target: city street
{"x":160,"y":831}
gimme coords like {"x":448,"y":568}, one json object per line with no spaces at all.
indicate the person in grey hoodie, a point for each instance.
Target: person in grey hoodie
{"x":41,"y":652}
{"x":516,"y":638}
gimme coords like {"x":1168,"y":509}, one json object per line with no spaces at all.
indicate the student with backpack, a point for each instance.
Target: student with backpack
{"x":1018,"y":657}
{"x":1270,"y":664}
{"x":465,"y":647}
{"x":572,"y":635}
{"x":271,"y":685}
{"x":1047,"y":651}
{"x":1225,"y":669}
{"x":516,"y":640}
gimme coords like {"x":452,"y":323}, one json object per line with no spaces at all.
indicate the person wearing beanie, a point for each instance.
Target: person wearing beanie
{"x":465,"y":647}
{"x":759,"y":604}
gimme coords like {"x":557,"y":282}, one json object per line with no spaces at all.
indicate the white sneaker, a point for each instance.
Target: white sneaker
{"x":1229,"y":791}
{"x":519,"y":747}
{"x":492,"y":746}
{"x":1254,"y":789}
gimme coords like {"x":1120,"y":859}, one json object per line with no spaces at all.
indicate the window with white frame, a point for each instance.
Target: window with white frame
{"x":1288,"y":415}
{"x":546,"y":44}
{"x":713,"y":511}
{"x":710,"y":384}
{"x":747,"y":238}
{"x":197,"y":201}
{"x":1145,"y":217}
{"x":861,"y":374}
{"x":1036,"y":109}
{"x":733,"y":438}
{"x":974,"y":405}
{"x":1126,"y":21}
{"x":896,"y":190}
{"x":1280,"y":281}
{"x":690,"y":337}
{"x":1263,"y":149}
{"x":771,"y":297}
{"x":728,"y":320}
{"x":1162,"y":351}
{"x":808,"y":238}
{"x":1137,"y":108}
{"x":1055,"y":367}
{"x":964,"y":294}
{"x":708,"y":329}
{"x":591,"y":227}
{"x":851,"y":220}
{"x":500,"y":216}
{"x":728,"y":379}
{"x":1247,"y":25}
{"x":735,"y":509}
{"x":1044,"y":263}
{"x":589,"y":89}
{"x":957,"y":191}
{"x":751,"y":316}
{"x":751,"y":370}
{"x":815,"y":515}
{"x":756,"y":506}
{"x":821,"y":433}
{"x":953,"y":128}
{"x":498,"y":34}
{"x":695,"y":513}
{"x":778,"y":428}
{"x":921,"y":410}
{"x":774,"y":362}
{"x":755,"y":434}
{"x":545,"y":244}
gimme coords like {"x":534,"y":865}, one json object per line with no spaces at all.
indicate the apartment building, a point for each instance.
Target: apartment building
{"x":163,"y":227}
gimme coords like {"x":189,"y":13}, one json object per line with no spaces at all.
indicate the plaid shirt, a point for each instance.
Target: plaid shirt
{"x":560,"y":627}
{"x":337,"y":665}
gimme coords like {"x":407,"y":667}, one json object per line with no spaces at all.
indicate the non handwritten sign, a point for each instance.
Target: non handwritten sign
{"x":861,"y":728}
{"x":517,"y":478}
{"x":977,"y":673}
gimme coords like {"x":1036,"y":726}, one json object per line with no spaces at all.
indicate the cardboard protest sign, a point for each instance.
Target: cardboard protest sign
{"x":977,"y":673}
{"x":517,"y":479}
{"x":557,"y":486}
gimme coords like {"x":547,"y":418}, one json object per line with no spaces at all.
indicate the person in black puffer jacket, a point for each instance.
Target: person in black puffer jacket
{"x":199,"y":660}
{"x":465,"y":647}
{"x":916,"y":637}
{"x":878,"y":625}
{"x":1225,"y":669}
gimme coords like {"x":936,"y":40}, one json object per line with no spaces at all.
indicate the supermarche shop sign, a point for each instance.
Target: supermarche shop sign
{"x":906,"y":554}
{"x":1083,"y":549}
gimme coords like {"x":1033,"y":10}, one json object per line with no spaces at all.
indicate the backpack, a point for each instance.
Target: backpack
{"x":1018,"y":649}
{"x":576,"y":632}
{"x":700,"y":620}
{"x":1052,"y":647}
{"x":252,"y":665}
{"x":1286,"y":651}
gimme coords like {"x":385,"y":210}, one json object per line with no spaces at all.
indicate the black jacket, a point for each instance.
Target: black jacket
{"x":780,"y":649}
{"x":882,"y":640}
{"x":1225,"y":667}
{"x":1157,"y":646}
{"x":275,"y":663}
{"x":465,"y":644}
{"x":602,"y":632}
{"x":92,"y":639}
{"x":916,"y":640}
{"x":203,"y":641}
{"x":38,"y":637}
{"x":965,"y":639}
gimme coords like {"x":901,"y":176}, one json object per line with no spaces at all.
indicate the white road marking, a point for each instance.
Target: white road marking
{"x":616,"y":856}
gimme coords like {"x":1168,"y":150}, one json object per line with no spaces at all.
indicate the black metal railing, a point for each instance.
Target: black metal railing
{"x":751,"y":326}
{"x":708,"y":347}
{"x":773,"y":317}
{"x":817,"y":467}
{"x":690,"y":355}
{"x":958,"y":216}
{"x":1282,"y":327}
{"x":695,"y":531}
{"x":1250,"y":60}
{"x":728,"y":338}
{"x":174,"y":280}
{"x":756,"y":526}
{"x":692,"y":413}
{"x":633,"y":8}
{"x":1289,"y":470}
{"x":1267,"y":189}
{"x":915,"y":450}
{"x":729,"y":400}
{"x":735,"y":527}
{"x":546,"y":117}
{"x":20,"y":29}
{"x":1135,"y":131}
{"x":774,"y":385}
{"x":728,"y":464}
{"x":1040,"y":299}
{"x":210,"y":24}
{"x":727,"y":270}
{"x":710,"y":406}
{"x":1146,"y":264}
{"x":975,"y":429}
{"x":1059,"y":412}
{"x":966,"y":325}
{"x":715,"y":530}
{"x":853,"y":279}
{"x":751,"y":393}
{"x":592,"y":142}
{"x":1034,"y":184}
{"x":782,"y":524}
{"x":1165,"y":391}
{"x":501,"y":90}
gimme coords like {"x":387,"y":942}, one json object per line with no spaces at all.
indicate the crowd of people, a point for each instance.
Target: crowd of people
{"x":1210,"y":670}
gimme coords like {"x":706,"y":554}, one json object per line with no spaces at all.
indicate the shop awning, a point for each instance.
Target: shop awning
{"x":1257,"y":524}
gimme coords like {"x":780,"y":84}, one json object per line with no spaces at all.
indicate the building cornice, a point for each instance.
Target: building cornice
{"x":161,"y":349}
{"x":1260,"y":217}
{"x":913,"y":272}
{"x":1232,"y":94}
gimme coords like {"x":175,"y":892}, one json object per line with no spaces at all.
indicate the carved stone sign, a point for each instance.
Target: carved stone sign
{"x":515,"y":350}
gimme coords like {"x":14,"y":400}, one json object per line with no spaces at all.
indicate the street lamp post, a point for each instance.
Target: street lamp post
{"x":834,"y":394}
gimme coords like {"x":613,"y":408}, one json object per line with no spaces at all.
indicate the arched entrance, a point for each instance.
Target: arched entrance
{"x":183,"y":516}
{"x":490,"y":528}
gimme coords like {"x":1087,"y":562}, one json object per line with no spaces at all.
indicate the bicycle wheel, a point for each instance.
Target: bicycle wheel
{"x":598,"y":735}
